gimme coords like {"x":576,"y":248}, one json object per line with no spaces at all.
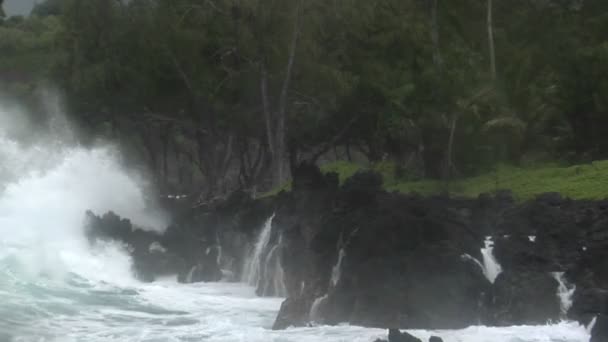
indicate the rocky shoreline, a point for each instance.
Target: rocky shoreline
{"x":356,"y":253}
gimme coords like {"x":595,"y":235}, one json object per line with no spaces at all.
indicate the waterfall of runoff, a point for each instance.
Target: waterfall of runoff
{"x":314,"y":315}
{"x":489,"y":266}
{"x":565,"y":292}
{"x":55,"y":288}
{"x":263,"y":268}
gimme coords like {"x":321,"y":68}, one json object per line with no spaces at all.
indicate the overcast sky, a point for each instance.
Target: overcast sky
{"x":15,"y":7}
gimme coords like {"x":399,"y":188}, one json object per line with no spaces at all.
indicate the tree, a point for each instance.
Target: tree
{"x":490,"y":28}
{"x":48,"y":7}
{"x":226,"y":94}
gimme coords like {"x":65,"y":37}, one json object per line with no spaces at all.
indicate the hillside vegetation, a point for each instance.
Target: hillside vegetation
{"x":586,"y":181}
{"x":213,"y":96}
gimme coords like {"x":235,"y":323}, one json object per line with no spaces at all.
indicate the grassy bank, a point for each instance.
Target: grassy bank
{"x":588,"y":181}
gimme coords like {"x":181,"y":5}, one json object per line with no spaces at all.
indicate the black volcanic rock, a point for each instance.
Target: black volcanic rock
{"x":292,"y":309}
{"x":394,"y":335}
{"x":408,"y":260}
{"x":196,"y":246}
{"x":380,"y":259}
{"x":150,"y":257}
{"x":587,"y":303}
{"x":524,"y":298}
{"x":390,"y":243}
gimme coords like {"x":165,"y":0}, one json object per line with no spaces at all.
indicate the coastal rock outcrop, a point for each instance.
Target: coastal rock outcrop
{"x":356,"y":253}
{"x":599,"y":332}
{"x":359,"y":254}
{"x":201,"y":242}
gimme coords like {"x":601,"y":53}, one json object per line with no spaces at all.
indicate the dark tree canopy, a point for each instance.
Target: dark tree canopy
{"x":232,"y":93}
{"x":48,"y":7}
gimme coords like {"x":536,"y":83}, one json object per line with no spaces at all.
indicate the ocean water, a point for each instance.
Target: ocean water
{"x":55,"y":288}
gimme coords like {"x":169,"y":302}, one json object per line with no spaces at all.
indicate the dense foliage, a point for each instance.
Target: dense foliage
{"x":231,"y":93}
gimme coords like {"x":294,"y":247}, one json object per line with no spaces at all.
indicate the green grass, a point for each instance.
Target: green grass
{"x":588,"y":181}
{"x":344,"y":169}
{"x":286,"y":187}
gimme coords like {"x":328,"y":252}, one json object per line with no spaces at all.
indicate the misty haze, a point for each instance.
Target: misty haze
{"x":303,"y":171}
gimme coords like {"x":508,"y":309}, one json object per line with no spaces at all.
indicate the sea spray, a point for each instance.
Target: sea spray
{"x":46,"y":262}
{"x":46,"y":189}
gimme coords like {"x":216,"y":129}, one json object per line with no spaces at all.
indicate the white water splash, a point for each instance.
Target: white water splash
{"x":336,"y":271}
{"x":565,"y":292}
{"x":491,"y":267}
{"x":47,"y":189}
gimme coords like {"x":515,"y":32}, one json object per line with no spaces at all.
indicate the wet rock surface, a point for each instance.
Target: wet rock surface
{"x":362,"y":255}
{"x":202,"y":240}
{"x":599,"y":333}
{"x":415,"y":262}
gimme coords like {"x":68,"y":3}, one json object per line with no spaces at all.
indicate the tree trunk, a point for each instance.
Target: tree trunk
{"x":348,"y":155}
{"x":449,"y":164}
{"x":437,"y":60}
{"x":281,"y":128}
{"x":165,"y":150}
{"x":251,"y":167}
{"x":491,"y":42}
{"x":266,"y":107}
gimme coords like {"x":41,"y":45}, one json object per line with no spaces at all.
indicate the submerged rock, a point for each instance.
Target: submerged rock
{"x":394,"y":335}
{"x":292,"y":310}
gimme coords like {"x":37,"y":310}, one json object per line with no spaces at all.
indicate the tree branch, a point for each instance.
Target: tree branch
{"x":334,"y":140}
{"x":290,"y":62}
{"x":266,"y":106}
